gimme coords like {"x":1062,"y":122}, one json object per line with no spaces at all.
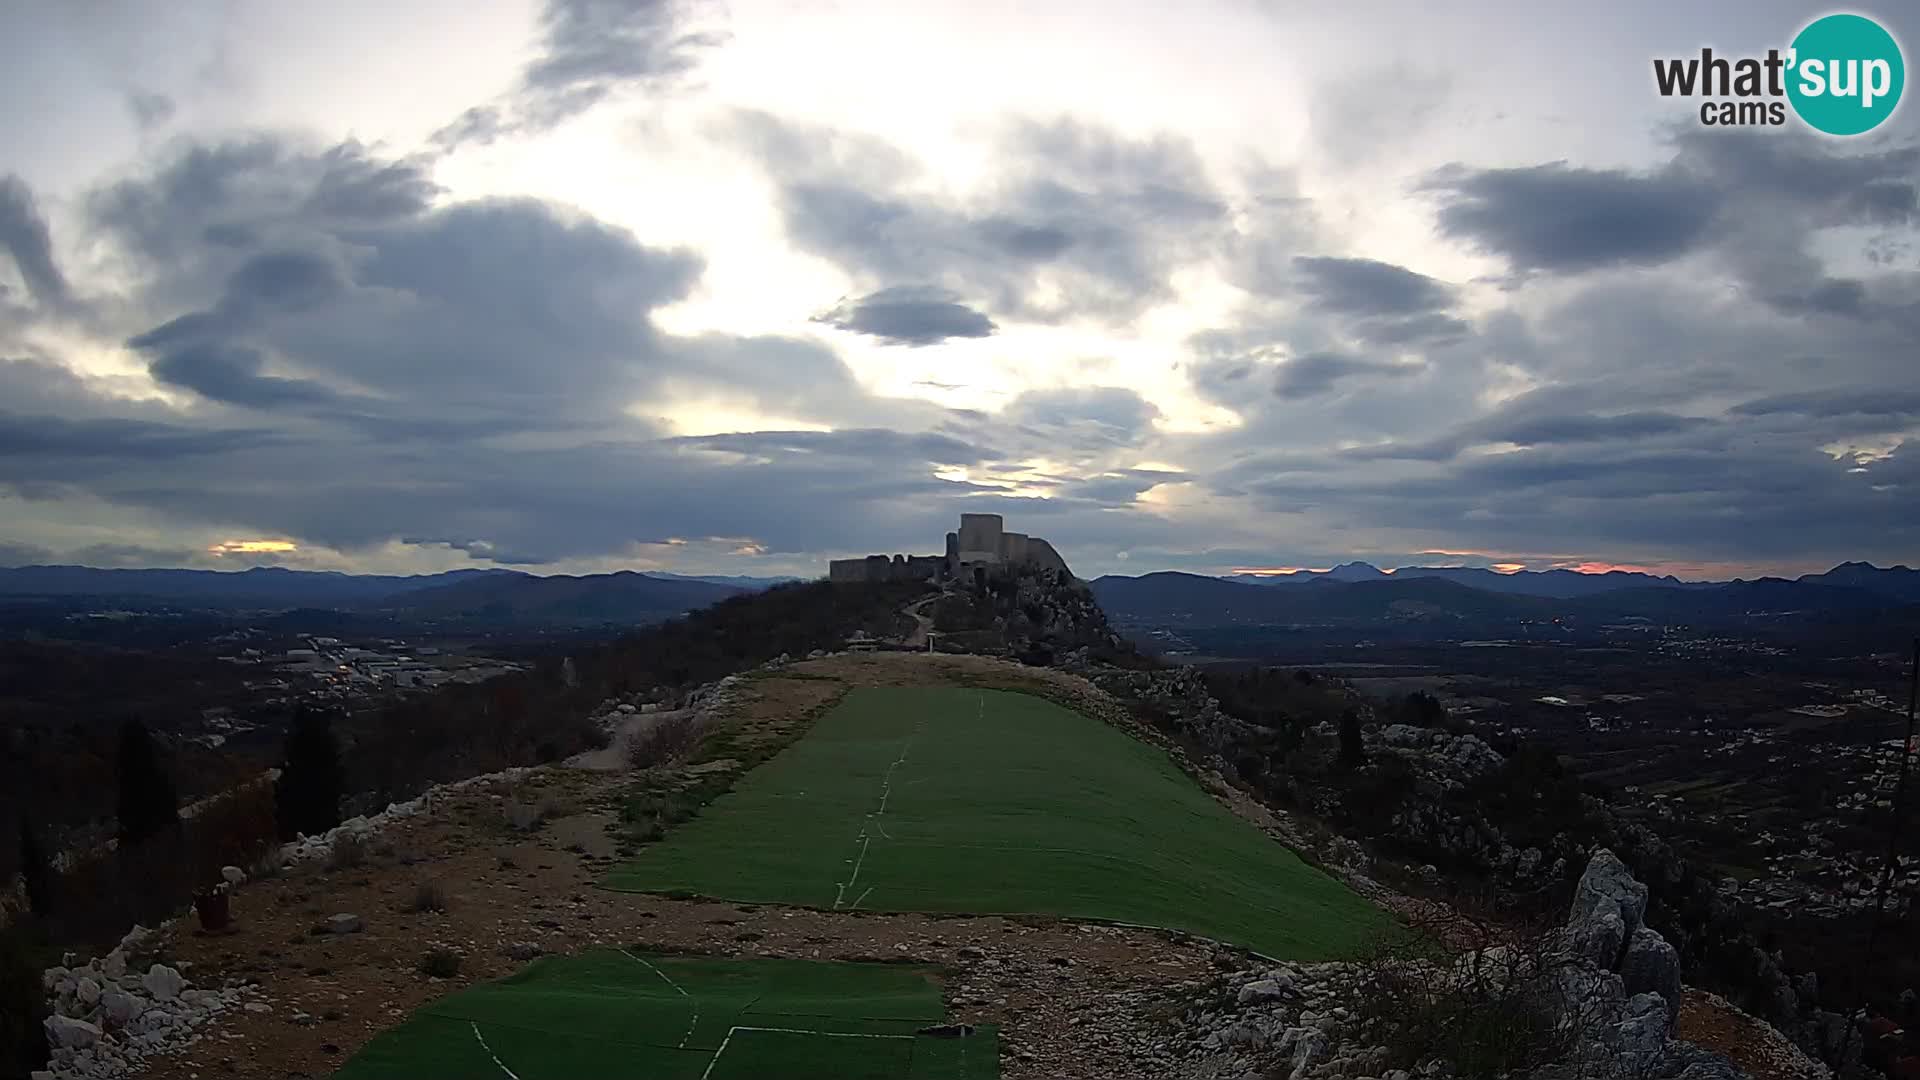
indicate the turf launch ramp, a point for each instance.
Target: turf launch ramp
{"x":990,"y":802}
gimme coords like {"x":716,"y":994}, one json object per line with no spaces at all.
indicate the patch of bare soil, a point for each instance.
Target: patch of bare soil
{"x":1708,"y":1020}
{"x":1073,"y":1000}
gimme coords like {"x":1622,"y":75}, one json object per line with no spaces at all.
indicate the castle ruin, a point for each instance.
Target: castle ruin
{"x":981,"y":549}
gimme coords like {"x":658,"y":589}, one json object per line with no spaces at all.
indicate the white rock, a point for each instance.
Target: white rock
{"x":65,"y":1031}
{"x":122,"y":1008}
{"x":115,"y":965}
{"x":344,"y":923}
{"x":163,"y":982}
{"x":233,"y":875}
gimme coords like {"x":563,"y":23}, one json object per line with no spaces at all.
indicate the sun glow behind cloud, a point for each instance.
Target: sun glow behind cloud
{"x":253,"y":547}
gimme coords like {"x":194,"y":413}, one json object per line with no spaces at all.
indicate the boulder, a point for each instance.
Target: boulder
{"x":344,"y":923}
{"x":1262,"y":991}
{"x":87,"y":991}
{"x":121,"y":1008}
{"x":233,"y":875}
{"x":163,"y":982}
{"x":1652,"y":966}
{"x":67,"y":1033}
{"x":1308,"y":1052}
{"x":1606,"y":888}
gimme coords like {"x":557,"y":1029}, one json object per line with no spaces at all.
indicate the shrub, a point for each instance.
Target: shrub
{"x":441,"y":963}
{"x":428,"y":896}
{"x":1499,"y":1009}
{"x":665,"y":741}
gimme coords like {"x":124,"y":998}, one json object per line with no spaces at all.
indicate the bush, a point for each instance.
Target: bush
{"x":440,"y":964}
{"x":1497,"y":1010}
{"x":428,"y":896}
{"x":665,"y":741}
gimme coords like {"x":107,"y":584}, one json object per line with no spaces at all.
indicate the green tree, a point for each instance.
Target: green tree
{"x":147,"y":804}
{"x":1353,"y":750}
{"x":35,"y":868}
{"x":307,"y":795}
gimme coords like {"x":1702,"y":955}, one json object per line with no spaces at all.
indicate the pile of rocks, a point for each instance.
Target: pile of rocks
{"x":1618,"y":977}
{"x":109,"y":1017}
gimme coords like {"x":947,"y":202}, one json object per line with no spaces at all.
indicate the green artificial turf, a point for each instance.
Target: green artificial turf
{"x":989,"y":802}
{"x":612,"y":1013}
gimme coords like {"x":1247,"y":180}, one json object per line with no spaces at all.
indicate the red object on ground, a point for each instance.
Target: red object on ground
{"x":213,"y":910}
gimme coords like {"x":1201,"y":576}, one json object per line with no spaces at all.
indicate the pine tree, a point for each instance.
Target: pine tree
{"x":307,"y":796}
{"x":1353,"y":750}
{"x":147,"y":804}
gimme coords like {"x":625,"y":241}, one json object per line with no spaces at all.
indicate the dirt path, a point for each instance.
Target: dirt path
{"x":1073,"y":1000}
{"x":922,"y":623}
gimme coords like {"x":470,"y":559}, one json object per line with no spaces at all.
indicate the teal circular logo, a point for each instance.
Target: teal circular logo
{"x":1846,"y":74}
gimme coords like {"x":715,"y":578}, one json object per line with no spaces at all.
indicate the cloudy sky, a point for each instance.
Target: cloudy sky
{"x":574,"y":285}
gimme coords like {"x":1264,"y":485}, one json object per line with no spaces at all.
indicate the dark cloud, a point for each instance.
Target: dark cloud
{"x":1317,"y":373}
{"x":909,"y":315}
{"x":1559,"y":218}
{"x":24,"y":554}
{"x":234,"y":375}
{"x":1082,"y":222}
{"x":590,"y":50}
{"x":1367,"y":287}
{"x":24,"y":235}
{"x":1839,"y":402}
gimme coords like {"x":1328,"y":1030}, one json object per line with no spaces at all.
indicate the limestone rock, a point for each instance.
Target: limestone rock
{"x":233,"y":875}
{"x":1261,"y":991}
{"x":122,"y":1008}
{"x":1651,"y":965}
{"x":1607,"y":887}
{"x":163,"y":982}
{"x":87,"y":990}
{"x":67,"y":1033}
{"x":344,"y":923}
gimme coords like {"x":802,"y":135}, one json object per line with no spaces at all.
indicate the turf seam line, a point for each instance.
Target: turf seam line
{"x":489,"y":1050}
{"x":786,"y":1031}
{"x":691,"y":1025}
{"x":886,"y":792}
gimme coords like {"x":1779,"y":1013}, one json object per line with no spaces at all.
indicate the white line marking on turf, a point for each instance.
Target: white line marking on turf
{"x":695,"y":1022}
{"x":863,"y":896}
{"x":886,"y":792}
{"x":489,"y":1050}
{"x":788,"y":1031}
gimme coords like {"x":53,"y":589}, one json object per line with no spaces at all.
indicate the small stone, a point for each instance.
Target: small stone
{"x":233,"y":875}
{"x":88,"y":991}
{"x":344,"y":923}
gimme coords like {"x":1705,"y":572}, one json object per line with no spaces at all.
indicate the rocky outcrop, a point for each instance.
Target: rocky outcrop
{"x":1320,"y":1021}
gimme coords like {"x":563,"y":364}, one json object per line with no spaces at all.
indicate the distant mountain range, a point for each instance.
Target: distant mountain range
{"x":1357,"y":594}
{"x":1899,"y":582}
{"x":487,"y":595}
